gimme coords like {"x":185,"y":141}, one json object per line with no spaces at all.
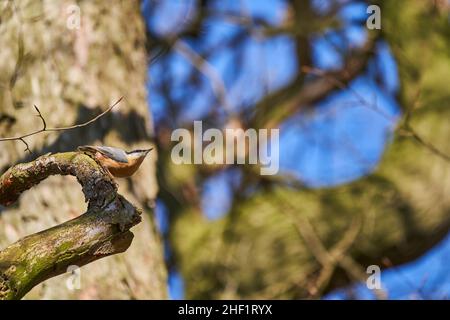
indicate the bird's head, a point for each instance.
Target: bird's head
{"x":138,"y":154}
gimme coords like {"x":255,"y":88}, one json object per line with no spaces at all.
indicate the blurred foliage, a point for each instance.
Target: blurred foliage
{"x":288,"y":241}
{"x":72,"y":75}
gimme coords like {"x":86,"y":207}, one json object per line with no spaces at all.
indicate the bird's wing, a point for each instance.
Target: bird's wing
{"x":114,"y":153}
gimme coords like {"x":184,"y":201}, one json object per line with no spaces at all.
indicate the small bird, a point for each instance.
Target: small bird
{"x":119,"y":163}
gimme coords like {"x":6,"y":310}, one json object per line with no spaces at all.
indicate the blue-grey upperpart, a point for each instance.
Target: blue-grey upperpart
{"x":139,"y":151}
{"x":114,"y":153}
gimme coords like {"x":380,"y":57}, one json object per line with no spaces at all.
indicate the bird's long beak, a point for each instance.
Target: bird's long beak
{"x":148,"y":150}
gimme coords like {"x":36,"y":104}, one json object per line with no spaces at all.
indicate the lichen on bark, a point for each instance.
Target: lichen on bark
{"x":102,"y":231}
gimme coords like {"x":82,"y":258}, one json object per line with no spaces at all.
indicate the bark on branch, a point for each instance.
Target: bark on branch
{"x":103,"y":230}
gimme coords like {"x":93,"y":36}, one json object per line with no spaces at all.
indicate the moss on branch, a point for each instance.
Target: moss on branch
{"x":103,"y":230}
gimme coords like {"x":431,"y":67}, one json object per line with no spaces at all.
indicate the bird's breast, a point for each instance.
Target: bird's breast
{"x":117,"y":169}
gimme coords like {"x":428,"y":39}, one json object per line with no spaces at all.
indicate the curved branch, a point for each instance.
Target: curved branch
{"x":103,"y":230}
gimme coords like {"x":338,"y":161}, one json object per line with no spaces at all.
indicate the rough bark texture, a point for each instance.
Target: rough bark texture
{"x":103,"y":230}
{"x":71,"y":75}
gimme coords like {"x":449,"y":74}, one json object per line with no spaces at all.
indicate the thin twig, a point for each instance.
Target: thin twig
{"x":27,"y":147}
{"x":207,"y":70}
{"x":405,"y":130}
{"x":331,"y":258}
{"x":42,"y":118}
{"x":45,"y":129}
{"x":343,"y":86}
{"x":410,"y":132}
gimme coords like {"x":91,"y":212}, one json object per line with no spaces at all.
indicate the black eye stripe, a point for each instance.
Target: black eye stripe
{"x":139,"y":150}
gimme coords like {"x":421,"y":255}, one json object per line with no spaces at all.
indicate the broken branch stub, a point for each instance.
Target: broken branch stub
{"x":103,"y":230}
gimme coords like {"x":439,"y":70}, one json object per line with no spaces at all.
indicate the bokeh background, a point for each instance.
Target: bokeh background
{"x":364,"y":123}
{"x":368,"y":146}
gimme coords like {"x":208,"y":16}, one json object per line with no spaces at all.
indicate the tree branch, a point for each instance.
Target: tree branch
{"x":408,"y":131}
{"x":45,"y":129}
{"x":279,"y":105}
{"x":103,"y":230}
{"x":203,"y":66}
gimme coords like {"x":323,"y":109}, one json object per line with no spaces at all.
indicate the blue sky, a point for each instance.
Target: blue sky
{"x":340,"y":142}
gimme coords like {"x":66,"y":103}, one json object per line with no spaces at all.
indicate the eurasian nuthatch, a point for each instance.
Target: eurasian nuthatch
{"x":119,"y":163}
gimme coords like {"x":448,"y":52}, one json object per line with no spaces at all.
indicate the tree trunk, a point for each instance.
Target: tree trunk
{"x":72,"y":72}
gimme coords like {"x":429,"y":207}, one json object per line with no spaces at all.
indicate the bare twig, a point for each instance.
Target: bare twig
{"x":45,"y":129}
{"x":208,"y":71}
{"x":405,"y":129}
{"x":27,"y":147}
{"x":344,"y":86}
{"x":330,"y":259}
{"x":42,"y":118}
{"x":408,"y":131}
